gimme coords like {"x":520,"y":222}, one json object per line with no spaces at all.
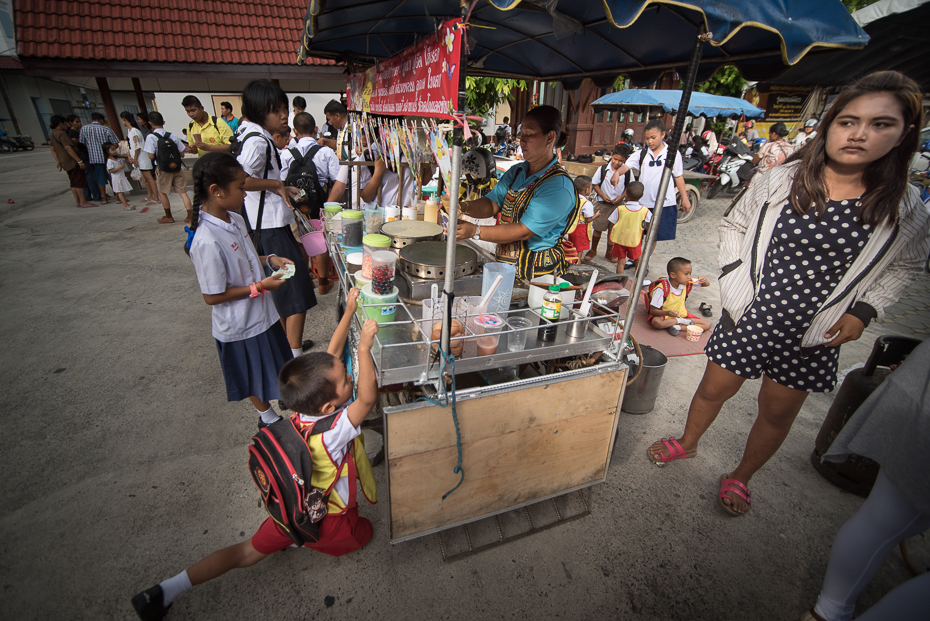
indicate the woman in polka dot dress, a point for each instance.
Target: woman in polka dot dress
{"x":814,"y":251}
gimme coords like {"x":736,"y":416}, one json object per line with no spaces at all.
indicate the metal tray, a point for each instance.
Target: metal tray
{"x":428,"y":260}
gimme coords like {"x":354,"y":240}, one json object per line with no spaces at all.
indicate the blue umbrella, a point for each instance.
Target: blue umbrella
{"x":702,"y":104}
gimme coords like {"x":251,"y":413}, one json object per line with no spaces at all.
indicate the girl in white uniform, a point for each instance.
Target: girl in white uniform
{"x":650,"y":166}
{"x":249,"y":338}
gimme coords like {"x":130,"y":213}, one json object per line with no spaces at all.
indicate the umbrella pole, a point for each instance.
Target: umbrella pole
{"x":673,"y":140}
{"x":458,"y":140}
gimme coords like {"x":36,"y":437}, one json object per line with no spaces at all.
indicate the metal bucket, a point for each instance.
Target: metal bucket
{"x":640,"y":396}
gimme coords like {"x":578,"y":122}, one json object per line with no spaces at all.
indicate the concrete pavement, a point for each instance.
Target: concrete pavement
{"x":125,"y":464}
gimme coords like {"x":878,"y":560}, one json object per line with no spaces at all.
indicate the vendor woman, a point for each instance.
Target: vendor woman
{"x":536,"y":201}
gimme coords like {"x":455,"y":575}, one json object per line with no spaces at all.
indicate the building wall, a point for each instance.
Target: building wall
{"x":53,"y":97}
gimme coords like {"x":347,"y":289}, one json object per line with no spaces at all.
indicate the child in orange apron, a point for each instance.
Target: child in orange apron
{"x":628,"y":221}
{"x":667,"y":297}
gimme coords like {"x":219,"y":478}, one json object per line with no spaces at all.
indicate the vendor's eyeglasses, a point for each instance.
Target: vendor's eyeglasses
{"x":655,"y":163}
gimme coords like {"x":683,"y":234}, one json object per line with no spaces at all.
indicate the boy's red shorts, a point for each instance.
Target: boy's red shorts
{"x":624,"y":252}
{"x":579,"y":237}
{"x":339,"y":534}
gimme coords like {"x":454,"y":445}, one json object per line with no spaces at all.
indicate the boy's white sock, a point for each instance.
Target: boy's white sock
{"x":172,"y":587}
{"x":297,"y":352}
{"x":684,"y":321}
{"x":269,"y":416}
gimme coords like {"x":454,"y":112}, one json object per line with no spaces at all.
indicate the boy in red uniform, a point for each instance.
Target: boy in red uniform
{"x":667,"y":298}
{"x":318,"y":383}
{"x":579,"y":235}
{"x":627,"y":222}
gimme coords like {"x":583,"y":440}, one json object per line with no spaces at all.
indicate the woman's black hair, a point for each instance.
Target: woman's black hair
{"x":549,"y":119}
{"x":655,"y":124}
{"x":885,"y":179}
{"x":304,"y":383}
{"x":217,"y":168}
{"x":129,"y":116}
{"x":260,"y":98}
{"x":105,"y":147}
{"x":145,"y":120}
{"x":56,"y":120}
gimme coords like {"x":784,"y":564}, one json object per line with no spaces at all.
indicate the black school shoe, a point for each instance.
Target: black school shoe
{"x":149,"y":604}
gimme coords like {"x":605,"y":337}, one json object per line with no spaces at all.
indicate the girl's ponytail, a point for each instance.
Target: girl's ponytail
{"x":214,"y":168}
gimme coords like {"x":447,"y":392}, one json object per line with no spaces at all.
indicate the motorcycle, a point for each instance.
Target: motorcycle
{"x":9,"y":143}
{"x":694,"y":161}
{"x":733,"y":169}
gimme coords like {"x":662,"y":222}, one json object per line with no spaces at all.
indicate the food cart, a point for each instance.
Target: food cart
{"x":478,"y":435}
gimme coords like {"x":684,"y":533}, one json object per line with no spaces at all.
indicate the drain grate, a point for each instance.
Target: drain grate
{"x":469,"y":539}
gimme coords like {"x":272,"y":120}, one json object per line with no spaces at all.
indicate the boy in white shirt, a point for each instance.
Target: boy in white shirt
{"x":387,"y":180}
{"x":167,"y":180}
{"x":609,"y":184}
{"x":667,"y":298}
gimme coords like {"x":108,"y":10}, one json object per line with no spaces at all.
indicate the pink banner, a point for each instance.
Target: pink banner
{"x":420,"y":81}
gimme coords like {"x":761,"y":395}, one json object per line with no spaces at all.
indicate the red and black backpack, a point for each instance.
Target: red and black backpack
{"x":666,"y":290}
{"x":281,"y":466}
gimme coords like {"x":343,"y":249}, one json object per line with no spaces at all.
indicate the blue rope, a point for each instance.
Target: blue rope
{"x":443,"y":402}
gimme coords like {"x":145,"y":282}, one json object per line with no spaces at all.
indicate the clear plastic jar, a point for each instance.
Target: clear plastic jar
{"x":382,"y":271}
{"x":370,"y":244}
{"x":352,"y":227}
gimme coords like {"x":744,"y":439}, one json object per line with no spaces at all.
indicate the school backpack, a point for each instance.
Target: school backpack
{"x":303,"y":176}
{"x":627,"y":177}
{"x":501,"y":134}
{"x":666,"y":289}
{"x":167,"y":154}
{"x":281,"y":466}
{"x":190,"y":126}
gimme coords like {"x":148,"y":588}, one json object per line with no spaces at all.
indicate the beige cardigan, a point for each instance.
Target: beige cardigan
{"x":884,"y":268}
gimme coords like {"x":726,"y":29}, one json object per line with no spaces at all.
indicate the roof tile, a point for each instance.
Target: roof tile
{"x":253,"y":32}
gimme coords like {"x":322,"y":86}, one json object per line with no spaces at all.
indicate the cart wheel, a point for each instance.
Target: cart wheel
{"x":5,"y":148}
{"x":714,"y":189}
{"x":695,"y":198}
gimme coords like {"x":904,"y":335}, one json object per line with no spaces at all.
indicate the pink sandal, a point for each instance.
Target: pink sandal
{"x":674,"y":452}
{"x":732,"y":485}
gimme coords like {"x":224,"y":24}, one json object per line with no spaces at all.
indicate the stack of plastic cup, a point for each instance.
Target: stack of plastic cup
{"x":330,"y":210}
{"x":382,"y":271}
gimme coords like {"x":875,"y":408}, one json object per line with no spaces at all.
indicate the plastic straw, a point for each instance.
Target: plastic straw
{"x":487,"y":296}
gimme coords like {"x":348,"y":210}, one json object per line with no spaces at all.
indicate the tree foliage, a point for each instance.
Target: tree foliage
{"x":855,"y":5}
{"x":727,"y":81}
{"x":482,"y":94}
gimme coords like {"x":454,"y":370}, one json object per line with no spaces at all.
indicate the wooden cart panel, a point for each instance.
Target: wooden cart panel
{"x":517,"y":447}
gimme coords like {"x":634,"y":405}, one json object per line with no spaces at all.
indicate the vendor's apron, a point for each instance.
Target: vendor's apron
{"x":533,"y":263}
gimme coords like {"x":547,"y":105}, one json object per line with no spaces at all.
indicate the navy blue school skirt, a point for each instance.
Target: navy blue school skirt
{"x":251,"y":366}
{"x":669,"y":225}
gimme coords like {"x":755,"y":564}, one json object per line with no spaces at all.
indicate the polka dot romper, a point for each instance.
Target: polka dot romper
{"x":805,"y":261}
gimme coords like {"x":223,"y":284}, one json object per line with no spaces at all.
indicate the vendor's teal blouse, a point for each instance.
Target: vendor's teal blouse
{"x":548,"y":209}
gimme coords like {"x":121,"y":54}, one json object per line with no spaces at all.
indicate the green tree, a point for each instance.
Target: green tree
{"x":855,"y":5}
{"x":482,"y":94}
{"x":727,"y":81}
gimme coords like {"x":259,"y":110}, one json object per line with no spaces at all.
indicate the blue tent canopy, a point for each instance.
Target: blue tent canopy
{"x":590,"y":39}
{"x":702,"y":104}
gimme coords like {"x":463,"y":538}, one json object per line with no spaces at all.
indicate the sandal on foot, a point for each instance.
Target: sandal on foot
{"x":674,"y":452}
{"x":732,"y":485}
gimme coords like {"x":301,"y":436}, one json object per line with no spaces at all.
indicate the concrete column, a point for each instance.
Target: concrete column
{"x":140,"y":97}
{"x":112,"y":117}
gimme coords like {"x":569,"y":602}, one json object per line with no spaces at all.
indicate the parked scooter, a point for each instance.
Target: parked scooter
{"x":733,"y":169}
{"x":9,"y":143}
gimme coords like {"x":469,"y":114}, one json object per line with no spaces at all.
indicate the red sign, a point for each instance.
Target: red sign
{"x":422,"y":80}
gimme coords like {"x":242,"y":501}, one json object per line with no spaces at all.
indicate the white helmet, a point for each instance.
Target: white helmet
{"x":811,"y":123}
{"x":628,"y":132}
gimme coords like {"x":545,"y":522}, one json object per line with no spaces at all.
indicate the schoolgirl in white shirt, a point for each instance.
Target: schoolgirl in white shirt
{"x":250,"y":341}
{"x":266,"y":106}
{"x":650,"y":166}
